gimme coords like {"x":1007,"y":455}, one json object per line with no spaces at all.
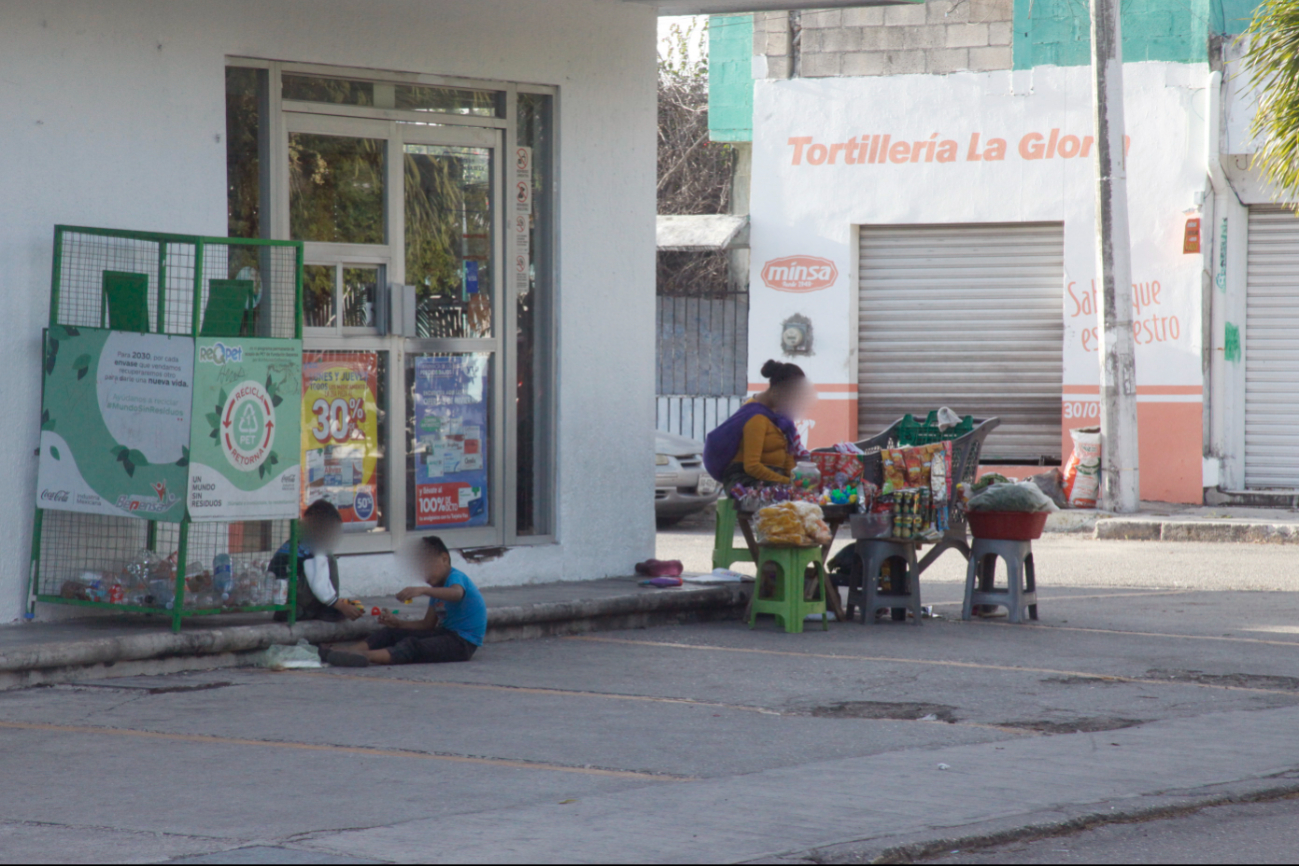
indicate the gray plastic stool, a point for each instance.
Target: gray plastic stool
{"x":1021,"y":582}
{"x":905,"y":594}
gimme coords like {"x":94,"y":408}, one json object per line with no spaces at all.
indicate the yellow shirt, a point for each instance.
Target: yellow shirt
{"x":764,"y":445}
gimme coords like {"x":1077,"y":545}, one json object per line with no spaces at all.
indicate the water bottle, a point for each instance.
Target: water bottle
{"x":222,"y":575}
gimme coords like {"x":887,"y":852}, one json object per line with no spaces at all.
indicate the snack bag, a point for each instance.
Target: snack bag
{"x":791,"y":524}
{"x":1082,"y":474}
{"x":917,"y":474}
{"x":779,"y":525}
{"x":815,"y":529}
{"x":895,"y":468}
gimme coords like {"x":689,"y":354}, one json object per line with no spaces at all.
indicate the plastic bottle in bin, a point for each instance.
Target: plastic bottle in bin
{"x":222,"y":575}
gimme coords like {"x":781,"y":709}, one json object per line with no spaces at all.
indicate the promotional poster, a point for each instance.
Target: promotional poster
{"x":115,"y":425}
{"x":340,"y":436}
{"x":450,"y":408}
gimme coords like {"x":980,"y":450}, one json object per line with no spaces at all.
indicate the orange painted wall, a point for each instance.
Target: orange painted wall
{"x":1171,"y":450}
{"x":836,"y":421}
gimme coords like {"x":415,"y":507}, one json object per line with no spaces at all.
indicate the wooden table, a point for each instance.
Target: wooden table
{"x":835,"y":517}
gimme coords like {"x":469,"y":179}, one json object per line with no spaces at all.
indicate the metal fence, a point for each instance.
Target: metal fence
{"x":703,"y":344}
{"x":695,"y":416}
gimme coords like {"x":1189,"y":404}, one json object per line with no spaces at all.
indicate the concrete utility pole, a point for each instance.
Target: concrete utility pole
{"x":1120,"y":474}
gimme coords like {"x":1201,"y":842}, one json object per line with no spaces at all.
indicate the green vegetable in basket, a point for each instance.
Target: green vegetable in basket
{"x":990,"y":479}
{"x":1017,"y":496}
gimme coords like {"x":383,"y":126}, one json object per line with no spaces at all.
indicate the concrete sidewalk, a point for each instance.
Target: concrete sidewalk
{"x":129,"y":645}
{"x":1158,"y":521}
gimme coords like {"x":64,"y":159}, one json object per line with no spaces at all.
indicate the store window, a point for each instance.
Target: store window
{"x":244,"y":90}
{"x":449,"y":218}
{"x":436,"y":419}
{"x":336,"y":189}
{"x":533,"y":347}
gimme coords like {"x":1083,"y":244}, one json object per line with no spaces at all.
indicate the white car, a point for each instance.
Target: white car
{"x":681,"y":484}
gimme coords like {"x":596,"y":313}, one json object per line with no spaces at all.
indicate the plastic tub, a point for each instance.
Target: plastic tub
{"x":1007,"y":525}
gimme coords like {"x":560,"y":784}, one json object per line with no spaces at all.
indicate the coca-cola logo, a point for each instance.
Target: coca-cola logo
{"x":54,"y":496}
{"x":799,"y":274}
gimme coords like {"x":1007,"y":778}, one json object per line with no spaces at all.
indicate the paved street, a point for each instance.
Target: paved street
{"x":1239,"y":833}
{"x":1148,"y":678}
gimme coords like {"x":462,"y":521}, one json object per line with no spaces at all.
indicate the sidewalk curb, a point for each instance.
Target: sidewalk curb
{"x":1239,"y":532}
{"x":1049,"y":823}
{"x":231,"y":646}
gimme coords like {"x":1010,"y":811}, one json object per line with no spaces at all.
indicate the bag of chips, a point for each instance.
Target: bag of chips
{"x":791,"y":524}
{"x":895,"y":468}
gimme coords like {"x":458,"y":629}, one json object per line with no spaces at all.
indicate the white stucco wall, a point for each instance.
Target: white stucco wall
{"x":114,"y":115}
{"x":806,"y":209}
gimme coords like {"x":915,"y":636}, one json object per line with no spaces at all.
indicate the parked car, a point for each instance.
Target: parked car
{"x":681,"y":484}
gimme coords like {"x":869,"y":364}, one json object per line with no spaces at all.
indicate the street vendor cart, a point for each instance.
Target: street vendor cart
{"x":898,"y":552}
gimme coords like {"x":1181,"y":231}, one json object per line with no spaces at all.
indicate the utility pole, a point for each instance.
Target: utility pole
{"x":1120,"y":474}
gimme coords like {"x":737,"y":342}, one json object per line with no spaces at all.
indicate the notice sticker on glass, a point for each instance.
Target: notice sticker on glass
{"x":523,"y":180}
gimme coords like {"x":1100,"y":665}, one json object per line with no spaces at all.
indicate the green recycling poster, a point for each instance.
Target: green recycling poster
{"x":246,"y":429}
{"x":115,"y":423}
{"x":150,"y":426}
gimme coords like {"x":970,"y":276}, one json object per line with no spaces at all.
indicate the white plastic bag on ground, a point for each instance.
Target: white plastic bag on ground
{"x":1082,"y":475}
{"x":282,"y":657}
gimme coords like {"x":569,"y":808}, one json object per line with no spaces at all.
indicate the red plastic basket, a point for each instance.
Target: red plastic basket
{"x":1007,"y":525}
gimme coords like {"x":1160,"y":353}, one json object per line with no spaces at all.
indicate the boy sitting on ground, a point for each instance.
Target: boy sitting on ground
{"x":401,"y":641}
{"x":317,"y":596}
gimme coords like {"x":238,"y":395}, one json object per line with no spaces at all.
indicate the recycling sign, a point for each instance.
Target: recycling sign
{"x":248,"y":425}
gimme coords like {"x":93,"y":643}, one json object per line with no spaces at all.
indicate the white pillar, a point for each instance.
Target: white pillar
{"x":1120,"y":478}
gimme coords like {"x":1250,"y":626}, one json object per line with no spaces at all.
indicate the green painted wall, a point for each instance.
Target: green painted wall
{"x":1231,"y":17}
{"x":1058,"y":31}
{"x":730,"y":77}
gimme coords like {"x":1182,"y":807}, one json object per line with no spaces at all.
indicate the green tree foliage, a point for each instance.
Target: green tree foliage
{"x":1273,"y":59}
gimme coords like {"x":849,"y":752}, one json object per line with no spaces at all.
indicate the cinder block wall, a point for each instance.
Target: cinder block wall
{"x":938,"y":36}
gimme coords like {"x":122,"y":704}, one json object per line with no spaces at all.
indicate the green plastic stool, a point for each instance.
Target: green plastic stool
{"x":789,"y":604}
{"x":724,"y":550}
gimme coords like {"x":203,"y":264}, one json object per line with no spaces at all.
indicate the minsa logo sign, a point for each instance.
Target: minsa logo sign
{"x":799,"y":274}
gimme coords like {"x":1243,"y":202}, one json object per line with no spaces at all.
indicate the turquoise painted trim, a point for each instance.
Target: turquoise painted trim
{"x":1058,"y":32}
{"x":730,"y":77}
{"x":1231,"y":17}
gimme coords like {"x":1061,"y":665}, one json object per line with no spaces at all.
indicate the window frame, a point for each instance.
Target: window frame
{"x":277,"y":117}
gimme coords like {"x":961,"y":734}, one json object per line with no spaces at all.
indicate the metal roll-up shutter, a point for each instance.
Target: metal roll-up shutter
{"x":966,"y":316}
{"x":1272,"y":350}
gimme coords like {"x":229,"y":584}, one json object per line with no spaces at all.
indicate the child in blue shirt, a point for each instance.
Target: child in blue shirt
{"x":455,"y":638}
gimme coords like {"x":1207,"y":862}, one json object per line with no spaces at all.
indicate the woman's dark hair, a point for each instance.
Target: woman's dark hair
{"x":778,"y":373}
{"x":433,"y":544}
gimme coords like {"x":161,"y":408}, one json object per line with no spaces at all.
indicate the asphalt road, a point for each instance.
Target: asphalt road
{"x":1241,"y":833}
{"x":1152,"y":669}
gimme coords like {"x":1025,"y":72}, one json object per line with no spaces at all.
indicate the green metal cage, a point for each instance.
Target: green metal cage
{"x":179,"y":285}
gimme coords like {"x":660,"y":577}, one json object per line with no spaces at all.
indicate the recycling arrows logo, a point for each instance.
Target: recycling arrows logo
{"x":247,"y":426}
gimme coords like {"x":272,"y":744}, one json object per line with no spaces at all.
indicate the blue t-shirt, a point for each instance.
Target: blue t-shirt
{"x":468,"y":616}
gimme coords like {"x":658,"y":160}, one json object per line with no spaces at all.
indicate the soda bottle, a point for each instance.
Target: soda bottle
{"x":222,"y":575}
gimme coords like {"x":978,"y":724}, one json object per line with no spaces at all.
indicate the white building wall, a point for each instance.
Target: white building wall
{"x":114,"y":115}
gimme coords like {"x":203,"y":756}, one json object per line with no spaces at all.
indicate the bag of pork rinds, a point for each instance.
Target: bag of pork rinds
{"x":1082,"y":474}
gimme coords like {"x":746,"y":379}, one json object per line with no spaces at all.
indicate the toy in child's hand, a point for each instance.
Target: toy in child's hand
{"x":375,"y":611}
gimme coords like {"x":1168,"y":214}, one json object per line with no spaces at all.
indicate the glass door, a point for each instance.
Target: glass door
{"x":402,"y":418}
{"x":453,"y":371}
